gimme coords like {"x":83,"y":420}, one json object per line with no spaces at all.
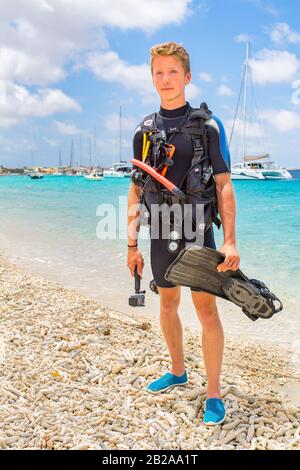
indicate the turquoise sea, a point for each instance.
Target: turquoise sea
{"x":49,"y":226}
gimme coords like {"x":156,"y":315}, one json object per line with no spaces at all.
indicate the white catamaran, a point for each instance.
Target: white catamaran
{"x":253,"y":167}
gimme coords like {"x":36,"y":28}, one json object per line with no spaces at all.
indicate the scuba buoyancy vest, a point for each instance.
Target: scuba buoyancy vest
{"x":198,"y":183}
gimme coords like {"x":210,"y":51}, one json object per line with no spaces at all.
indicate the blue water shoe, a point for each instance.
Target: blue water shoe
{"x":166,"y":382}
{"x":215,"y":412}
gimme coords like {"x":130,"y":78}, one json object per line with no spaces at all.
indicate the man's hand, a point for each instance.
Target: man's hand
{"x":135,"y":258}
{"x":232,"y":260}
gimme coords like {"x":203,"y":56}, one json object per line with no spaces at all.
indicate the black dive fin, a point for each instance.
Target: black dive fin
{"x":197,"y":268}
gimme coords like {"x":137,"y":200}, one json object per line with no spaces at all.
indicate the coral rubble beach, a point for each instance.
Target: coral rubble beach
{"x":73,"y":376}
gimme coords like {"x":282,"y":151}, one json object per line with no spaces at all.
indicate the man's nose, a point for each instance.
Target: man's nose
{"x":166,"y":78}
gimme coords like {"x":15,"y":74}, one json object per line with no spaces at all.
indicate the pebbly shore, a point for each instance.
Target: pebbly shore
{"x":73,"y":376}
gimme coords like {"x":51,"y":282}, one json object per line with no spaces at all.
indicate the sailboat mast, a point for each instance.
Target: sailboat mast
{"x":120,"y":120}
{"x":80,"y":147}
{"x":245,"y":98}
{"x":71,"y":154}
{"x":32,"y":152}
{"x":33,"y":149}
{"x":90,"y":152}
{"x":95,"y":144}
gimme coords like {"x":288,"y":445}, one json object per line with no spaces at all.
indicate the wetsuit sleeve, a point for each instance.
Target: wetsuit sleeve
{"x":138,"y":144}
{"x":218,"y":146}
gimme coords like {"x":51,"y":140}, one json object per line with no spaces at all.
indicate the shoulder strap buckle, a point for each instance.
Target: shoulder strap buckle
{"x":198,"y":150}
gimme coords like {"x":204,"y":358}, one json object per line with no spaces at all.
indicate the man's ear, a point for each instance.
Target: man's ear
{"x":188,"y":78}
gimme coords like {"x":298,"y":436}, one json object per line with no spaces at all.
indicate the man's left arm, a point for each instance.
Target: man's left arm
{"x":220,"y":159}
{"x":227,"y":209}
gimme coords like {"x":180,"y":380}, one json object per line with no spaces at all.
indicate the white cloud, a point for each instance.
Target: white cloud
{"x":266,"y":6}
{"x":242,"y":38}
{"x":272,"y":11}
{"x":225,"y":90}
{"x":67,"y":128}
{"x":19,"y":104}
{"x":111,"y":123}
{"x":253,"y":129}
{"x":39,"y":37}
{"x":271,"y":66}
{"x":192,"y":92}
{"x":11,"y":145}
{"x":282,"y":120}
{"x":20,"y":67}
{"x":267,"y":135}
{"x":51,"y":142}
{"x":41,"y":40}
{"x":137,"y":14}
{"x":282,"y":32}
{"x":228,"y":109}
{"x":109,"y":67}
{"x":295,"y":99}
{"x":206,"y":77}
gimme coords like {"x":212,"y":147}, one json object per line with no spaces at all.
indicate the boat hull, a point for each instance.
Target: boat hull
{"x":113,"y":175}
{"x":281,"y":175}
{"x":245,"y":177}
{"x":36,"y":177}
{"x":94,"y":178}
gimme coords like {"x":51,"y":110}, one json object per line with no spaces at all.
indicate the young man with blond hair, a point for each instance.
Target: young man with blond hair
{"x":170,"y":69}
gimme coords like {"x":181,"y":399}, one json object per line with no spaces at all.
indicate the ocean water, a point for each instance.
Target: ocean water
{"x":49,"y":226}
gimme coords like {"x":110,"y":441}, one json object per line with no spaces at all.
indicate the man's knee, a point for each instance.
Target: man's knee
{"x":167,"y":308}
{"x":208,"y":317}
{"x":169,"y":301}
{"x":206,"y":308}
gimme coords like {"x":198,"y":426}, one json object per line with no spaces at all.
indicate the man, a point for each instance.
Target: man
{"x":171,"y":73}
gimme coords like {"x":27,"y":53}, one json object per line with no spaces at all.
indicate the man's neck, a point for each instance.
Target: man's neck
{"x":174,"y":104}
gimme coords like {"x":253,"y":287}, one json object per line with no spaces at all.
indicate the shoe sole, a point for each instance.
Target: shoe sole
{"x":165,"y":389}
{"x":212,"y":423}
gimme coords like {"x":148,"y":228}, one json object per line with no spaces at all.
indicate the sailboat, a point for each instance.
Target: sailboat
{"x":121,"y":169}
{"x":58,"y":171}
{"x":70,"y":168}
{"x":35,"y":174}
{"x":95,"y":175}
{"x":253,"y":167}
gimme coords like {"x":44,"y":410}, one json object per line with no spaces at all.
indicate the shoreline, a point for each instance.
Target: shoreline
{"x":65,"y":358}
{"x":86,"y":279}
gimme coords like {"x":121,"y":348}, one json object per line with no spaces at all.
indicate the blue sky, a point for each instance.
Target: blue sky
{"x":66,"y":66}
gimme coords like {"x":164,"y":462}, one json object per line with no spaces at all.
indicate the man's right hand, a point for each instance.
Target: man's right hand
{"x":135,"y":258}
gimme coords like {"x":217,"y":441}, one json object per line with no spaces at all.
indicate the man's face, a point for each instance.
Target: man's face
{"x":169,"y":77}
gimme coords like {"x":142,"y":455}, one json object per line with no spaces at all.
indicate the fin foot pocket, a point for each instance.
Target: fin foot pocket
{"x":248,"y":297}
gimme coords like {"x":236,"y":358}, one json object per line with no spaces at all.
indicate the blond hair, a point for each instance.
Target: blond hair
{"x":173,"y":49}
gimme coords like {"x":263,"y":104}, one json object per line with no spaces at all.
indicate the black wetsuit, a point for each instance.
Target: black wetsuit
{"x":161,"y":258}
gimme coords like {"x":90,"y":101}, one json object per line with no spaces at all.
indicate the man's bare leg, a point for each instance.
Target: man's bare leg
{"x":171,"y":327}
{"x":212,"y":340}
